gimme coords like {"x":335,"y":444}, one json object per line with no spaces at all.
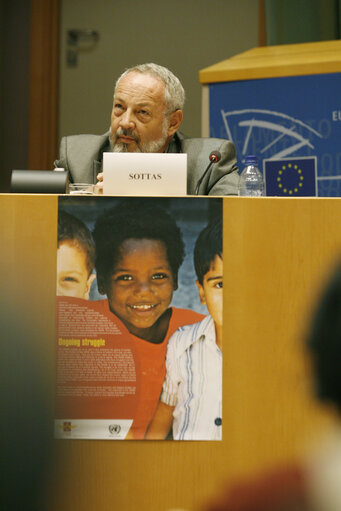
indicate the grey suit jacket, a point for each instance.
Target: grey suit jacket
{"x":81,"y":156}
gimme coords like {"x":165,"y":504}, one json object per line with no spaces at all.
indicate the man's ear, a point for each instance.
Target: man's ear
{"x":175,"y":119}
{"x":88,"y":285}
{"x":201,"y":292}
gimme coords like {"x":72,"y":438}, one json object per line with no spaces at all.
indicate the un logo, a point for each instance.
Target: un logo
{"x":114,"y":429}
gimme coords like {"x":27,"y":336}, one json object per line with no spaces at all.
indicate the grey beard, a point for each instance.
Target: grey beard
{"x":149,"y":147}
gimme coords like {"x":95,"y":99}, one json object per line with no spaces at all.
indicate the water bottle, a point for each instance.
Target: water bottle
{"x":251,"y":182}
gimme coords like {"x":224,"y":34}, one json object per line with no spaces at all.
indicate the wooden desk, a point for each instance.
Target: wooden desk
{"x":277,"y":252}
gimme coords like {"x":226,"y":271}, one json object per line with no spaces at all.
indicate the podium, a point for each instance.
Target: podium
{"x":277,"y":255}
{"x":280,"y":103}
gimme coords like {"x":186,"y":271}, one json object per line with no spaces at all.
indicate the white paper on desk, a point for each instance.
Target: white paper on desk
{"x":144,"y":174}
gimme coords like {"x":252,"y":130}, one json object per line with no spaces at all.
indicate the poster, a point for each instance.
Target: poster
{"x":139,"y":325}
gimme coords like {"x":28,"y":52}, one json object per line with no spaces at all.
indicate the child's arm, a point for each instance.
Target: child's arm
{"x":161,"y":423}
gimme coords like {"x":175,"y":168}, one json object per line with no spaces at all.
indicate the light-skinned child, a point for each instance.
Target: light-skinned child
{"x":191,"y":399}
{"x":75,"y":257}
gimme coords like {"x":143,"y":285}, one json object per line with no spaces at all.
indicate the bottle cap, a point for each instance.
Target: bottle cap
{"x":250,"y":159}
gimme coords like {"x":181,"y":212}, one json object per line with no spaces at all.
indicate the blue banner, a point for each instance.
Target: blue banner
{"x":279,"y":118}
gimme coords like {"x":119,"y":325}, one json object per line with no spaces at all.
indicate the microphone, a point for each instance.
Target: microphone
{"x":214,"y":157}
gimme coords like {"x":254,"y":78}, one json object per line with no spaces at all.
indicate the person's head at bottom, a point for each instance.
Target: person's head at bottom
{"x":26,"y":427}
{"x":324,"y":342}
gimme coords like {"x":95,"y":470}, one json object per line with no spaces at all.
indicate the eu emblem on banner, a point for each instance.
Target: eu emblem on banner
{"x":290,"y":177}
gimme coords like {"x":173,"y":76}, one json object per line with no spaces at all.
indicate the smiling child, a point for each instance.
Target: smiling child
{"x":139,"y":250}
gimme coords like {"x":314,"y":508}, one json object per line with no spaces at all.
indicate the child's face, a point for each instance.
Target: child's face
{"x":72,"y":273}
{"x":211,"y":290}
{"x":142,"y":284}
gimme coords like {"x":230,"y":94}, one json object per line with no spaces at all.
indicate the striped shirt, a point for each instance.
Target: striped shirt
{"x":193,"y":383}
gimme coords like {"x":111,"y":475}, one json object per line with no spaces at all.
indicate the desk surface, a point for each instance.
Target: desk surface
{"x":276,"y":61}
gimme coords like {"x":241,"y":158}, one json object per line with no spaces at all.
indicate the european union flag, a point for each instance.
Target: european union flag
{"x":290,"y":177}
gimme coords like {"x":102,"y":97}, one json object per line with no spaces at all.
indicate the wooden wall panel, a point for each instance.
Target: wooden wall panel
{"x":43,"y":94}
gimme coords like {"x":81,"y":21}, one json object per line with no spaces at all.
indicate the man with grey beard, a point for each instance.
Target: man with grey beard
{"x":146,"y":117}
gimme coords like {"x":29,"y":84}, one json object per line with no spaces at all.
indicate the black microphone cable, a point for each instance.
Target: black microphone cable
{"x":214,"y":157}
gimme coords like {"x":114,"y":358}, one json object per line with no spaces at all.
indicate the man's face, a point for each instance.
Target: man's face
{"x":138,"y":121}
{"x":141,"y":285}
{"x":72,"y":273}
{"x":211,"y":290}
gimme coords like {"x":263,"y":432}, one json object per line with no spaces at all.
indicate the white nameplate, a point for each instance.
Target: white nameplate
{"x":144,"y":174}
